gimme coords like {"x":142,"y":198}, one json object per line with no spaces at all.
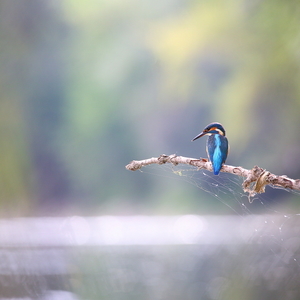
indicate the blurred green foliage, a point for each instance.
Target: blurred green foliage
{"x":87,"y":86}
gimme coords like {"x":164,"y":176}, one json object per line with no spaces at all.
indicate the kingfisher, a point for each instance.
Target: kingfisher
{"x":216,"y":146}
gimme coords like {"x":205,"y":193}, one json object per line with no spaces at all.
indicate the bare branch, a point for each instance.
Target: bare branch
{"x":255,"y":182}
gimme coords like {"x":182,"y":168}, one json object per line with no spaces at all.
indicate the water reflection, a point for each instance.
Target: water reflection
{"x":143,"y":257}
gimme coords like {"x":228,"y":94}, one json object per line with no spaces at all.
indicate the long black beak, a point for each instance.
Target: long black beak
{"x":199,"y":136}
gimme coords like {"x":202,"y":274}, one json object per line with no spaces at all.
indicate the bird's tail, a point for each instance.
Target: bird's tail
{"x":216,"y":169}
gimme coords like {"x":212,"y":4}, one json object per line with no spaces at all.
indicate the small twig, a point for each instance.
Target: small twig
{"x":255,"y":182}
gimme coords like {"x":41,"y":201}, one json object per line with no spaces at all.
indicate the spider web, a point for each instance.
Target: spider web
{"x":227,"y":189}
{"x":276,"y":222}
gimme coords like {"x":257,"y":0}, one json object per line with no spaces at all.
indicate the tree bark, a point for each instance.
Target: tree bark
{"x":255,"y":182}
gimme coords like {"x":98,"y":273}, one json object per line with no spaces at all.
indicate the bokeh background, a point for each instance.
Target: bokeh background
{"x":87,"y":86}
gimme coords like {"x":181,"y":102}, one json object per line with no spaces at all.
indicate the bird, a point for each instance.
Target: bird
{"x":216,"y":146}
